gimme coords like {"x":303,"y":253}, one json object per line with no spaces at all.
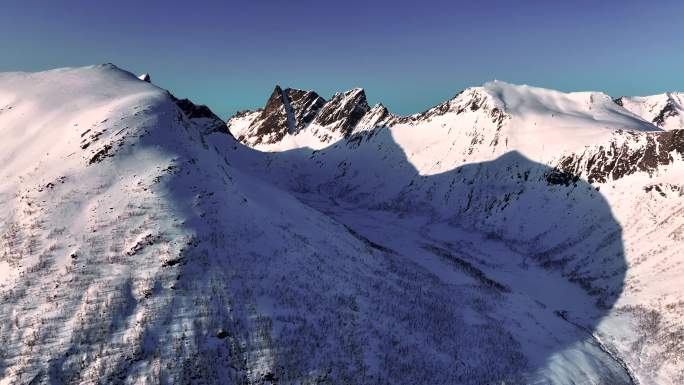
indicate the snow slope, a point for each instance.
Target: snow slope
{"x":138,"y":254}
{"x":542,"y":118}
{"x":487,"y":240}
{"x":527,"y":165}
{"x":663,"y":110}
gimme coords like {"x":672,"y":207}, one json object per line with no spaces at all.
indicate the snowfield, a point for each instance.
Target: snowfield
{"x":511,"y":235}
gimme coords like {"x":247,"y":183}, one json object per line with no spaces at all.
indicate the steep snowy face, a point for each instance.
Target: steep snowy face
{"x":664,"y":110}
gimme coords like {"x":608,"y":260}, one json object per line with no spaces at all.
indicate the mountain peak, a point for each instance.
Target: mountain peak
{"x":663,"y":110}
{"x":343,"y":111}
{"x":137,"y":247}
{"x":310,"y":121}
{"x":290,"y":111}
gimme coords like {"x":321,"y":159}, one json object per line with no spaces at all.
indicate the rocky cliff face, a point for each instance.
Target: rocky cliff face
{"x":291,"y":112}
{"x":343,"y":111}
{"x":626,"y":154}
{"x":286,"y":112}
{"x":201,"y":115}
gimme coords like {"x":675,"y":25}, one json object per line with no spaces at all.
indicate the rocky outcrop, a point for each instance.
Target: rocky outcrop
{"x":286,"y":112}
{"x":199,"y":111}
{"x":302,"y":107}
{"x":670,"y":110}
{"x":627,"y":154}
{"x":272,"y":124}
{"x":468,"y":100}
{"x":343,"y":111}
{"x":289,"y":111}
{"x":663,"y":110}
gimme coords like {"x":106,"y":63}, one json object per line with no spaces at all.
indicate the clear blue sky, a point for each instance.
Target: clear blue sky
{"x":407,"y":54}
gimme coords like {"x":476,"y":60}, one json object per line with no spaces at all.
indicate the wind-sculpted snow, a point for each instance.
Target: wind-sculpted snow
{"x":140,"y":244}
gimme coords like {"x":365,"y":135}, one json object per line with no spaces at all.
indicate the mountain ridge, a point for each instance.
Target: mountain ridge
{"x":141,"y":244}
{"x":499,"y":97}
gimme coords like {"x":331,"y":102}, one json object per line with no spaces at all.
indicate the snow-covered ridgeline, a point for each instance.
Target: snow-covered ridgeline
{"x":664,"y":110}
{"x":509,"y":234}
{"x":455,"y":162}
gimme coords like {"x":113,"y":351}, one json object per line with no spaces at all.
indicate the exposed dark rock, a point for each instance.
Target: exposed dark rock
{"x":145,"y":78}
{"x":303,"y":105}
{"x":560,"y":177}
{"x":243,"y":113}
{"x":172,"y":262}
{"x":668,"y":111}
{"x":468,"y":100}
{"x":621,"y":157}
{"x":291,"y":110}
{"x":270,"y":378}
{"x":664,"y":189}
{"x":383,"y":113}
{"x":200,"y":111}
{"x":221,"y":334}
{"x":438,"y":110}
{"x":272,"y":124}
{"x":101,"y":154}
{"x":344,"y":111}
{"x":378,"y":116}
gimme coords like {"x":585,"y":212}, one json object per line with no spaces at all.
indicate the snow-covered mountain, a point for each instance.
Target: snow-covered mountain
{"x":520,"y":162}
{"x":663,"y":110}
{"x":293,"y":115}
{"x":509,"y":235}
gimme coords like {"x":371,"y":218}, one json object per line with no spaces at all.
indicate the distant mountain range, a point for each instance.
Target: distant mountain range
{"x":291,"y":112}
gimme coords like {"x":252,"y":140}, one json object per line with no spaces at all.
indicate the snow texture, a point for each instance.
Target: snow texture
{"x":509,"y":235}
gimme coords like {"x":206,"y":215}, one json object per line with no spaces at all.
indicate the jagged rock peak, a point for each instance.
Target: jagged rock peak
{"x":343,"y":111}
{"x":469,"y":100}
{"x":272,"y":123}
{"x":302,"y":106}
{"x":289,"y":111}
{"x":286,"y":112}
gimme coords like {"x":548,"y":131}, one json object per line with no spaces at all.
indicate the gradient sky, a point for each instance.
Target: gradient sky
{"x":409,"y":55}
